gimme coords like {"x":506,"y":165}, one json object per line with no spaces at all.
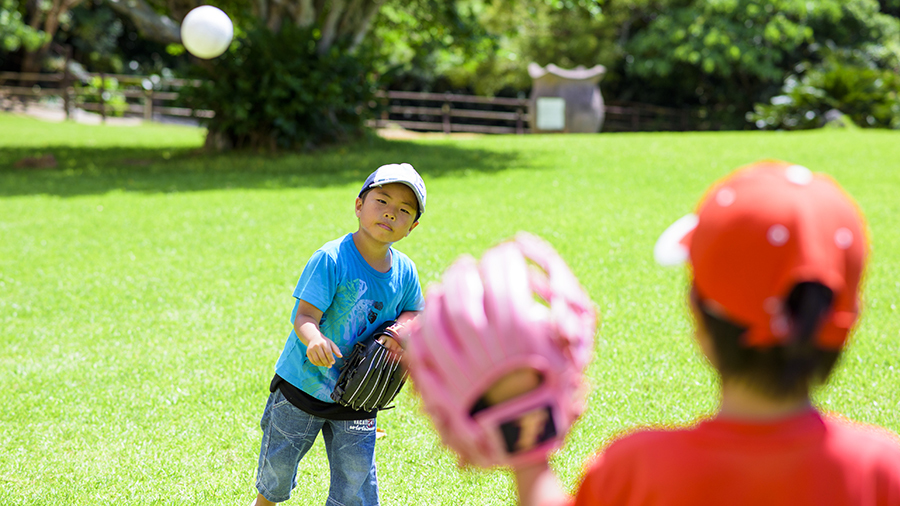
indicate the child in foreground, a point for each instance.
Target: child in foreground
{"x":776,"y":256}
{"x":349,"y":287}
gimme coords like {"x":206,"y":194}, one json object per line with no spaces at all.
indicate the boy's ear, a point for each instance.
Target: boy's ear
{"x":705,"y":343}
{"x":701,"y":335}
{"x":414,"y":225}
{"x":359,"y":203}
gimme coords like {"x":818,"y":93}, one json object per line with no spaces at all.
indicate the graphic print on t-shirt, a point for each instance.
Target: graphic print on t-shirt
{"x":350,"y":314}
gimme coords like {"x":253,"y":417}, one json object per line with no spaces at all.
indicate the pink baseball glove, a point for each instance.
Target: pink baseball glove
{"x":519,"y":308}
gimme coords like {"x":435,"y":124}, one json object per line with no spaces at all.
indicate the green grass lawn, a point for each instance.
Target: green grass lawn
{"x":145,"y":294}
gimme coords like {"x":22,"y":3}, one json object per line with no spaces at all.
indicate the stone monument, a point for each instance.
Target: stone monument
{"x":566,"y":100}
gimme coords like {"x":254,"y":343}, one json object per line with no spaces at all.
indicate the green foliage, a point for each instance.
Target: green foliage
{"x":14,"y":31}
{"x":722,"y":38}
{"x":564,"y":33}
{"x":274,"y":91}
{"x":103,"y":41}
{"x":110,"y":91}
{"x":720,"y":57}
{"x":891,"y":7}
{"x":868,"y":96}
{"x":511,"y":35}
{"x":94,"y":33}
{"x":737,"y":52}
{"x":421,"y":42}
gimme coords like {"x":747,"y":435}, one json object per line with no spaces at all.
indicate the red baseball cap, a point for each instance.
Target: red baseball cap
{"x":759,"y":232}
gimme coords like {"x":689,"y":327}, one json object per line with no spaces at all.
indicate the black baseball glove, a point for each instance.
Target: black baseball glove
{"x":371,"y":375}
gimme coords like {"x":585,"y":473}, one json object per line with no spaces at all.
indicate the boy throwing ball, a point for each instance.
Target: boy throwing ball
{"x":348,"y":288}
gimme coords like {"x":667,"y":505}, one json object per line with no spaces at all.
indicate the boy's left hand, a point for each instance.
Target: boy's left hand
{"x":391,"y":344}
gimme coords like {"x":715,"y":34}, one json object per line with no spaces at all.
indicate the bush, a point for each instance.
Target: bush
{"x":109,"y":89}
{"x":274,"y":91}
{"x":815,"y":94}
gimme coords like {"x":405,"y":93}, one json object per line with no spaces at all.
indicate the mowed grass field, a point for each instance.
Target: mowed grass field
{"x":145,"y":295}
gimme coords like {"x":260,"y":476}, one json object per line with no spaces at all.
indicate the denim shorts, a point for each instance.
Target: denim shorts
{"x":289,"y":432}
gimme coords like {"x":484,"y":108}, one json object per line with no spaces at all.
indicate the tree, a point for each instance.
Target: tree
{"x":151,"y":20}
{"x":423,"y":44}
{"x":15,"y":33}
{"x":43,"y":17}
{"x":512,"y":34}
{"x":843,"y":87}
{"x":722,"y":55}
{"x":719,"y":56}
{"x":854,"y":75}
{"x":890,"y":7}
{"x":734,"y":53}
{"x":565,"y":33}
{"x":300,"y":73}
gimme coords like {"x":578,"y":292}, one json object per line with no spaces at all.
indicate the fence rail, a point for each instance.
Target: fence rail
{"x":140,"y":93}
{"x":630,"y":117}
{"x":450,"y":112}
{"x":152,"y":96}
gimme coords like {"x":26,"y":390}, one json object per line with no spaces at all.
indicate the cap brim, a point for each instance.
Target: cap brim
{"x":672,"y":247}
{"x":420,"y":200}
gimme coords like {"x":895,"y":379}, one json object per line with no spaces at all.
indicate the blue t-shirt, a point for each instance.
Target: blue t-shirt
{"x":354,"y":299}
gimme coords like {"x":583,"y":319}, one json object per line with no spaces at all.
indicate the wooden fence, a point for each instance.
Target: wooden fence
{"x":449,"y":112}
{"x":632,"y":117}
{"x":145,"y":96}
{"x":152,"y":96}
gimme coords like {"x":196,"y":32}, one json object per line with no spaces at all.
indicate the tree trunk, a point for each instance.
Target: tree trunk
{"x":365,"y":23}
{"x":330,"y":26}
{"x":305,"y":16}
{"x":48,"y":22}
{"x":150,"y":24}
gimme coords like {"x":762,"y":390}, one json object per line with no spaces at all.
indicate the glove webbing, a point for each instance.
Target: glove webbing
{"x":371,"y":375}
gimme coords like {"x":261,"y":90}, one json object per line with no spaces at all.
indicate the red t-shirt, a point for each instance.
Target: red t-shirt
{"x":809,"y":459}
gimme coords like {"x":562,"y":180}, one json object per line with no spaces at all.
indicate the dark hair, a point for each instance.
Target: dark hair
{"x":780,"y":372}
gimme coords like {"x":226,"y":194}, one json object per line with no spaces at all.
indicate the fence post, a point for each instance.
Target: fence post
{"x":445,"y":111}
{"x":102,"y":100}
{"x":148,"y":105}
{"x":636,"y":119}
{"x":67,"y":97}
{"x":520,"y":127}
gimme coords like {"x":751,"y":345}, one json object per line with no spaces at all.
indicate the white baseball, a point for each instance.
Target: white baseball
{"x":206,"y":31}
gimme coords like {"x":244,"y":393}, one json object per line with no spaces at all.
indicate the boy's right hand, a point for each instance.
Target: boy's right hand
{"x":321,"y":351}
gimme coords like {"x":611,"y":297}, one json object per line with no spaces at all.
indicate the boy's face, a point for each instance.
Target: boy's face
{"x":387,"y":213}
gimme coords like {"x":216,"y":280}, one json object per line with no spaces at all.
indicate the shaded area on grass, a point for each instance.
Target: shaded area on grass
{"x":85,"y":169}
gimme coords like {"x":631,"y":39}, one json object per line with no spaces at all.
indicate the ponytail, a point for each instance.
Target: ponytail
{"x":807,"y":306}
{"x":784,"y":371}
